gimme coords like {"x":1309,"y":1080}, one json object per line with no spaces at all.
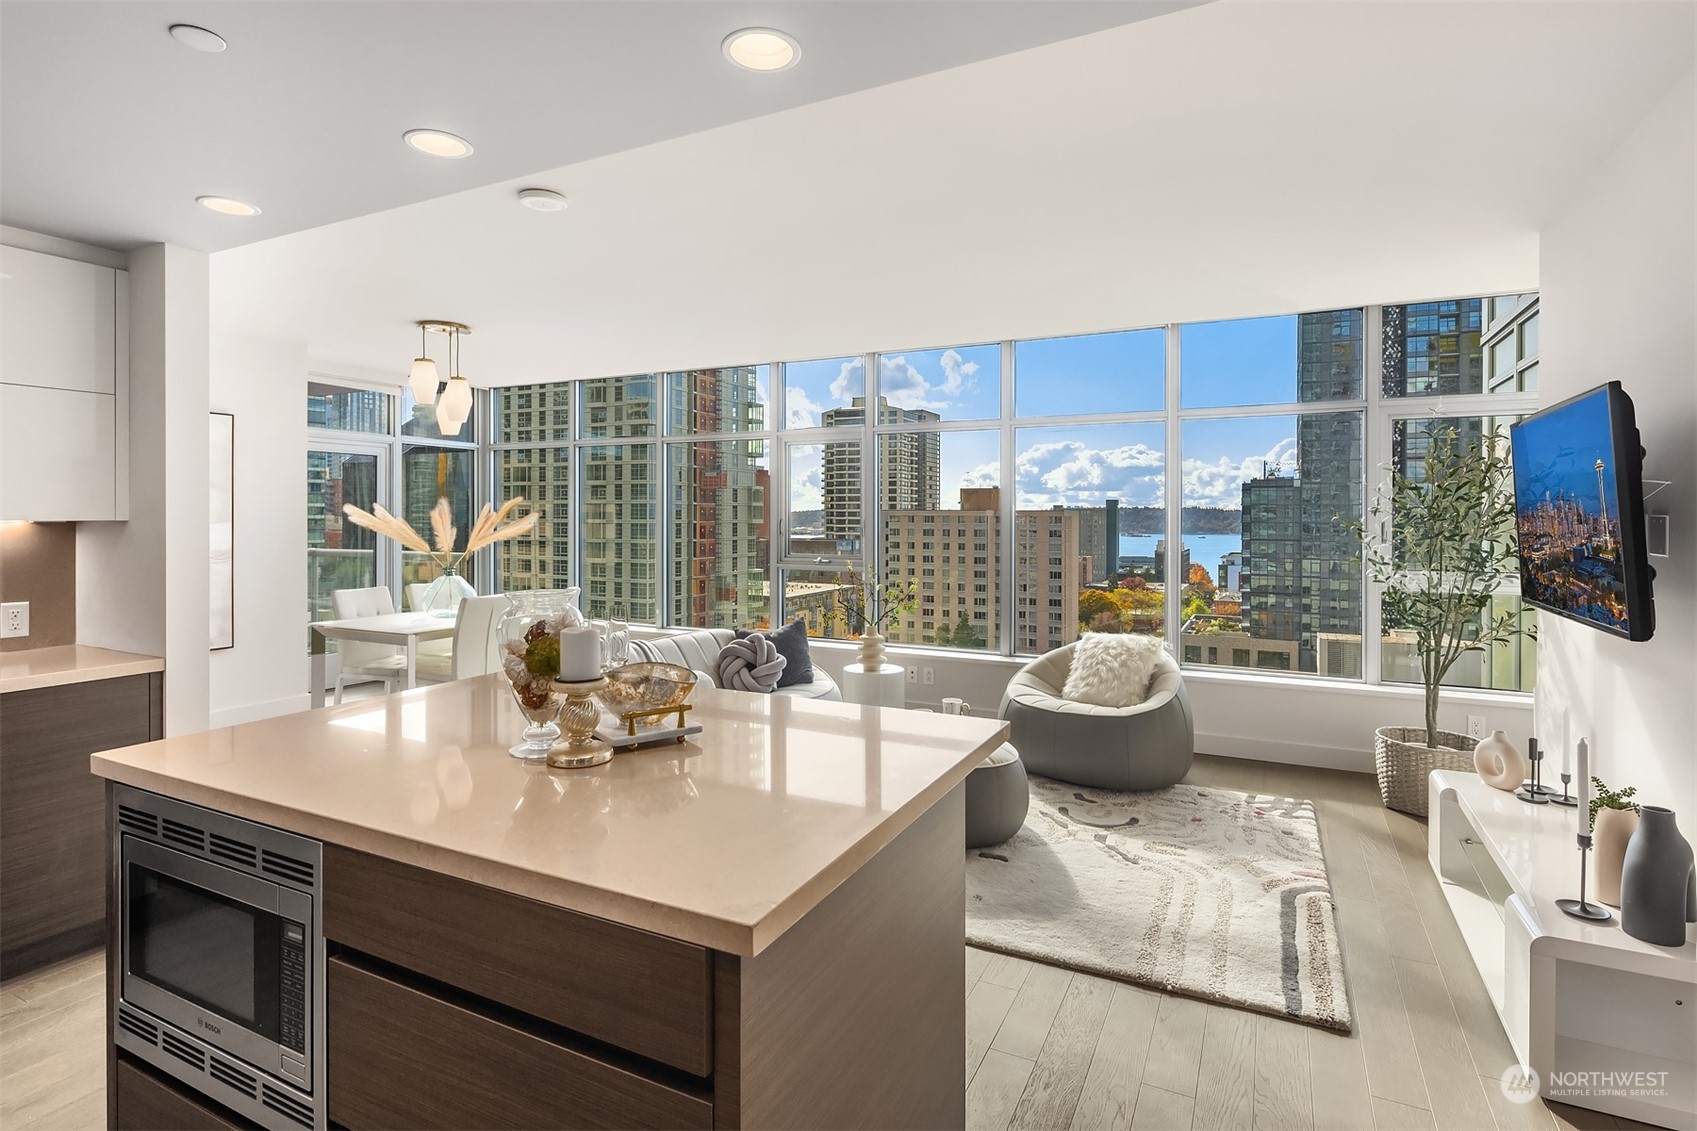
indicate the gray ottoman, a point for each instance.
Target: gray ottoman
{"x":996,"y":798}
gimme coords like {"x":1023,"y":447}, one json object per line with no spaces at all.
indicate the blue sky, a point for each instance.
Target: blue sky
{"x":1559,"y":452}
{"x":1227,"y":363}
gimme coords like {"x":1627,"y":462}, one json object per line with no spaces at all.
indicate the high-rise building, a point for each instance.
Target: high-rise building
{"x":955,"y":557}
{"x":909,"y":468}
{"x":1099,"y":537}
{"x":537,"y":414}
{"x":717,"y":501}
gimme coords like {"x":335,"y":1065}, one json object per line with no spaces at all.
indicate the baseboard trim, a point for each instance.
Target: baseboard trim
{"x":1358,"y":761}
{"x":253,"y":712}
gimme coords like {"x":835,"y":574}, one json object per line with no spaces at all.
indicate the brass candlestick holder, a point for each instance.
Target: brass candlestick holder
{"x":578,"y":746}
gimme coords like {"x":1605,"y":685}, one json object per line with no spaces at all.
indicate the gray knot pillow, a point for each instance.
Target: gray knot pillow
{"x":750,"y":664}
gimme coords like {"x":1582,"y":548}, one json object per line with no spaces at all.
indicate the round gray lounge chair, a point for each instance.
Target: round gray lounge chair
{"x":1148,"y":746}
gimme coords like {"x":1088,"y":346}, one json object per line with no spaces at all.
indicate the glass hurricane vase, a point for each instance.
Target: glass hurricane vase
{"x":442,"y":597}
{"x":529,"y":632}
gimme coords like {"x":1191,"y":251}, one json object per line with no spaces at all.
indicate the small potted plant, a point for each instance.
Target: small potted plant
{"x":869,"y":608}
{"x":1451,"y":548}
{"x":1614,"y":818}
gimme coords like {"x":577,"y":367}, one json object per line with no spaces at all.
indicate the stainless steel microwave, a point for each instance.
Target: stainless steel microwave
{"x":223,"y":956}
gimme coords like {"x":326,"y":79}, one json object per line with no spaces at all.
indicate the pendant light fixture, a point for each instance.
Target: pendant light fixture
{"x":454,"y":408}
{"x":424,"y":378}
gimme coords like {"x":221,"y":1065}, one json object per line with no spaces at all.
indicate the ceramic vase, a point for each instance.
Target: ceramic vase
{"x":1610,"y":833}
{"x":872,"y":651}
{"x":1499,"y":763}
{"x":1658,"y":891}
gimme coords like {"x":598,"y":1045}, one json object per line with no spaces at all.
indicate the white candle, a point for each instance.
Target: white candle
{"x":1584,"y":789}
{"x":580,"y":654}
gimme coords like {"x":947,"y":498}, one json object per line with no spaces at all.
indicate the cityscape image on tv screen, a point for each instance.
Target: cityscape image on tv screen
{"x":1567,"y":513}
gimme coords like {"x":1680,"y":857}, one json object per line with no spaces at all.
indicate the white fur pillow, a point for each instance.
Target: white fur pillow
{"x":1112,"y":669}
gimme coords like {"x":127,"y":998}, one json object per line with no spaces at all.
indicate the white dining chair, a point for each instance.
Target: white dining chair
{"x":414,"y":591}
{"x":361,"y":661}
{"x":476,"y":650}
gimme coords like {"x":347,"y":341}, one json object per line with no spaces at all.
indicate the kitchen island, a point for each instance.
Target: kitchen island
{"x":762,"y":927}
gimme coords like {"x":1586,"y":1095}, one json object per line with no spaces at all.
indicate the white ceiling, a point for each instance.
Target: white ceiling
{"x":109,"y":128}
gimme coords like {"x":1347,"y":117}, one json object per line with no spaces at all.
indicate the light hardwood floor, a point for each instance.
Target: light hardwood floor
{"x":1048,"y":1048}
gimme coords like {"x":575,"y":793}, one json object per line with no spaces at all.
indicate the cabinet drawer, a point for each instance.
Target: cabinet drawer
{"x":400,"y":1057}
{"x":151,"y":1103}
{"x":642,"y":992}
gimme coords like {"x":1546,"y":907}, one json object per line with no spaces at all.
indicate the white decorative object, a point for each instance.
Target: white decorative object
{"x":1499,"y":762}
{"x":1501,"y":866}
{"x":953,"y":705}
{"x":750,"y":664}
{"x":872,"y":650}
{"x":1111,"y":669}
{"x":1584,"y":788}
{"x":875,"y":687}
{"x":580,"y":654}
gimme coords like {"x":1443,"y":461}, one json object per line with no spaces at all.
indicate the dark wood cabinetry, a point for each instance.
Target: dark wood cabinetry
{"x":53,"y":810}
{"x":147,"y":1101}
{"x":403,"y":1057}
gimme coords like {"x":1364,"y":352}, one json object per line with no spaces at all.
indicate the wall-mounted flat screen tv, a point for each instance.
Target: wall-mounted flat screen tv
{"x":1579,"y":513}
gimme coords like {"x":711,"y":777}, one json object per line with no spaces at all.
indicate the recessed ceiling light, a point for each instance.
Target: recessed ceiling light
{"x":227,"y":206}
{"x":437,"y":143}
{"x":198,"y":38}
{"x":761,"y":49}
{"x":542,"y":200}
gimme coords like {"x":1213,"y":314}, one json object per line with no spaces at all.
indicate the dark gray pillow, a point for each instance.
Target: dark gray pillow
{"x":791,"y":641}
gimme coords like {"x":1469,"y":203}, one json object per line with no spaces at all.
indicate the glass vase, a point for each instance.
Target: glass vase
{"x":529,"y":632}
{"x":442,"y":597}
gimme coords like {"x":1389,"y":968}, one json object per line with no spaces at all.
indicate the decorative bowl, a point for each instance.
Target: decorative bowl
{"x":646,"y":687}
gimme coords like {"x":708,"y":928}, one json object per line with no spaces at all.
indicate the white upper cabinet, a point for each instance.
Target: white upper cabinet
{"x":64,"y":389}
{"x":58,"y":322}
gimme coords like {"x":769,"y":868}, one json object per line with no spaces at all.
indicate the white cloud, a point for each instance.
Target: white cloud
{"x":956,"y":372}
{"x":1070,"y":473}
{"x":850,"y":382}
{"x":1220,"y":483}
{"x":801,"y":410}
{"x":807,"y":491}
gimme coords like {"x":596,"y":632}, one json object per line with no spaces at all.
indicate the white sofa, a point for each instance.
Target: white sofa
{"x":698,"y":650}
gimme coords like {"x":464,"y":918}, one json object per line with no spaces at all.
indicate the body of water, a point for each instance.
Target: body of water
{"x":1205,"y":549}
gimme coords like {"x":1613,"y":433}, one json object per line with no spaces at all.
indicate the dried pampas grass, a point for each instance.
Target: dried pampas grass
{"x":486,"y":531}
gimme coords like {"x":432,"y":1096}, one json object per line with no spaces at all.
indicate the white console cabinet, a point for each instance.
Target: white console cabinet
{"x":64,"y":388}
{"x":1574,"y":997}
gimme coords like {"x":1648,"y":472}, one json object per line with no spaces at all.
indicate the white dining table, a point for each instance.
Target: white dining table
{"x":403,"y":630}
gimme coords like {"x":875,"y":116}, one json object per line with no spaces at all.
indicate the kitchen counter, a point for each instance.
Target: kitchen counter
{"x":70,"y":663}
{"x":761,"y":927}
{"x":724,"y":841}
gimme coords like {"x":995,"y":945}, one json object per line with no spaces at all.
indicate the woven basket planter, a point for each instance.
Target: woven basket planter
{"x":1404,"y":762}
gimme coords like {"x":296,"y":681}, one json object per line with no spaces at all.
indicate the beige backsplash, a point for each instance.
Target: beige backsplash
{"x":38,"y":564}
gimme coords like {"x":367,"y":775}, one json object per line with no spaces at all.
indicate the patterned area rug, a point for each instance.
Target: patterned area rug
{"x":1204,"y":892}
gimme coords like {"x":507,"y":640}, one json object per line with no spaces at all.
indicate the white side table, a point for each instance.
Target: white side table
{"x":886,"y":687}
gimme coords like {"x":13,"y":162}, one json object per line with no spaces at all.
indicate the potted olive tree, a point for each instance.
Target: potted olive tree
{"x":1450,"y":548}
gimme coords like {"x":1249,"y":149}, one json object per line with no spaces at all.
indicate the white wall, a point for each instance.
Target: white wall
{"x":141,"y":584}
{"x":263,"y":383}
{"x":1619,"y":284}
{"x":1267,"y":718}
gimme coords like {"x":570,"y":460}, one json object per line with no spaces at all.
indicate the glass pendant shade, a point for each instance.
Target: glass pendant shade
{"x":424,"y":380}
{"x":454,"y":409}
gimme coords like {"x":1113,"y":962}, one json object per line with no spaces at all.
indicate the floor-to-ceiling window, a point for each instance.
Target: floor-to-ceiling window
{"x":1193,"y":481}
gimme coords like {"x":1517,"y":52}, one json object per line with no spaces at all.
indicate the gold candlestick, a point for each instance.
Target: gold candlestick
{"x":578,"y":746}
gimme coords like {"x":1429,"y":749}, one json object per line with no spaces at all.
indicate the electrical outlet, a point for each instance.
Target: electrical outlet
{"x":14,"y":619}
{"x":1476,"y":726}
{"x":930,"y":675}
{"x":912,"y":674}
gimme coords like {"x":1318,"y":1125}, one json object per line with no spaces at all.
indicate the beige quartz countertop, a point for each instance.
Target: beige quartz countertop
{"x":69,"y":663}
{"x":725,"y":841}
